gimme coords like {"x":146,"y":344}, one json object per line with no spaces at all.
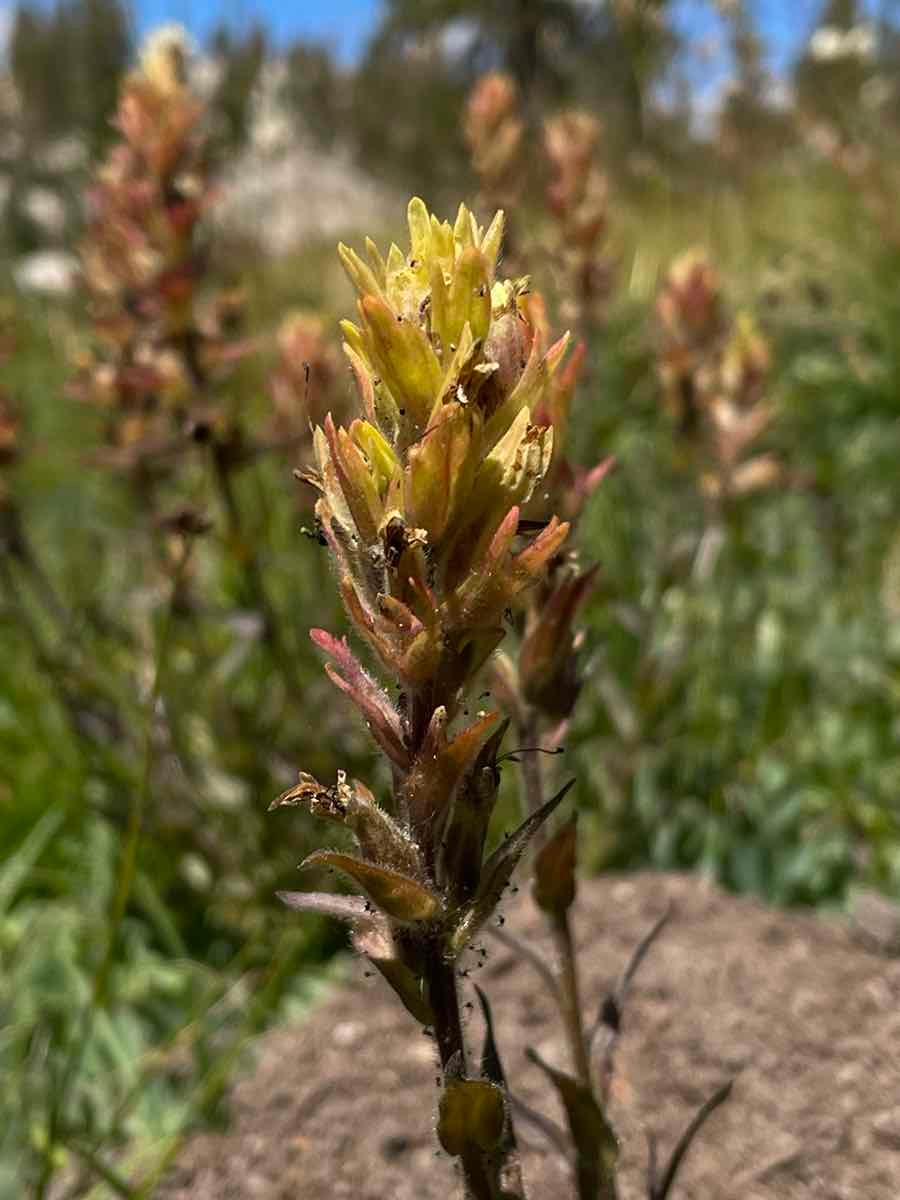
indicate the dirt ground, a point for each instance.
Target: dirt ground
{"x":805,"y":1017}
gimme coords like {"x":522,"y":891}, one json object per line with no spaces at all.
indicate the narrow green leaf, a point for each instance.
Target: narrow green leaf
{"x":595,"y":1142}
{"x":498,"y":870}
{"x":17,"y":867}
{"x":659,"y":1190}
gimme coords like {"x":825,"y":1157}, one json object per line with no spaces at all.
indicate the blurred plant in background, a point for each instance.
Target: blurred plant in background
{"x":494,"y":134}
{"x":127,"y":1019}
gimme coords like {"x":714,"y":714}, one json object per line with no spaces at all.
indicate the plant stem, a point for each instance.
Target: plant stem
{"x":271,"y":627}
{"x":570,"y":997}
{"x":440,"y":977}
{"x":567,"y":990}
{"x":532,"y":774}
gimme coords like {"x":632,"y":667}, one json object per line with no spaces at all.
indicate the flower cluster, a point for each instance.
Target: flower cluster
{"x":545,"y":676}
{"x":495,"y":132}
{"x":421,"y":498}
{"x":578,"y":197}
{"x":143,"y":263}
{"x":303,"y":385}
{"x":713,"y":370}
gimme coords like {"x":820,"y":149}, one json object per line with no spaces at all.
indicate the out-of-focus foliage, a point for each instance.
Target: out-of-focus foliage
{"x":119,"y":1025}
{"x":240,"y":61}
{"x":66,"y":62}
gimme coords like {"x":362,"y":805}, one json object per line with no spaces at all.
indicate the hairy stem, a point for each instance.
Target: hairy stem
{"x":532,"y":773}
{"x":440,"y":977}
{"x":567,"y":989}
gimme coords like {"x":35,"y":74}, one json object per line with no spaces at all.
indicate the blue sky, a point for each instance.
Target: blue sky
{"x":346,"y":24}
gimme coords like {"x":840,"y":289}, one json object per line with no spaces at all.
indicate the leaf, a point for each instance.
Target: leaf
{"x":404,"y":358}
{"x":360,"y":274}
{"x":491,"y":1066}
{"x":554,"y":870}
{"x":395,"y":894}
{"x":382,"y":719}
{"x":462,"y":846}
{"x":471,"y":1115}
{"x":17,"y":867}
{"x":660,"y":1188}
{"x":326,"y":904}
{"x":357,"y":481}
{"x":595,"y":1142}
{"x":380,"y":837}
{"x":375,"y":940}
{"x":439,"y":767}
{"x":498,"y":869}
{"x":441,"y":468}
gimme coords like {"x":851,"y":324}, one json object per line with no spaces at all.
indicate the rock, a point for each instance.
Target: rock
{"x":282,"y":188}
{"x":876,"y":921}
{"x":62,"y":156}
{"x":49,"y":272}
{"x":45,"y":209}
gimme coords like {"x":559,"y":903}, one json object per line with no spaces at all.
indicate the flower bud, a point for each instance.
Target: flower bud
{"x":548,"y":674}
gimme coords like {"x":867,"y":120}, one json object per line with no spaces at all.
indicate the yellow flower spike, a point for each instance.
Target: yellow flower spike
{"x":164,"y":58}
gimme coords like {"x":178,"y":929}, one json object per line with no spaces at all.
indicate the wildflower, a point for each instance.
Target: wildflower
{"x":495,"y":135}
{"x":156,"y":348}
{"x":303,"y":385}
{"x":739,"y":415}
{"x":420,"y":499}
{"x":713,"y":370}
{"x":578,"y":197}
{"x":420,"y":502}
